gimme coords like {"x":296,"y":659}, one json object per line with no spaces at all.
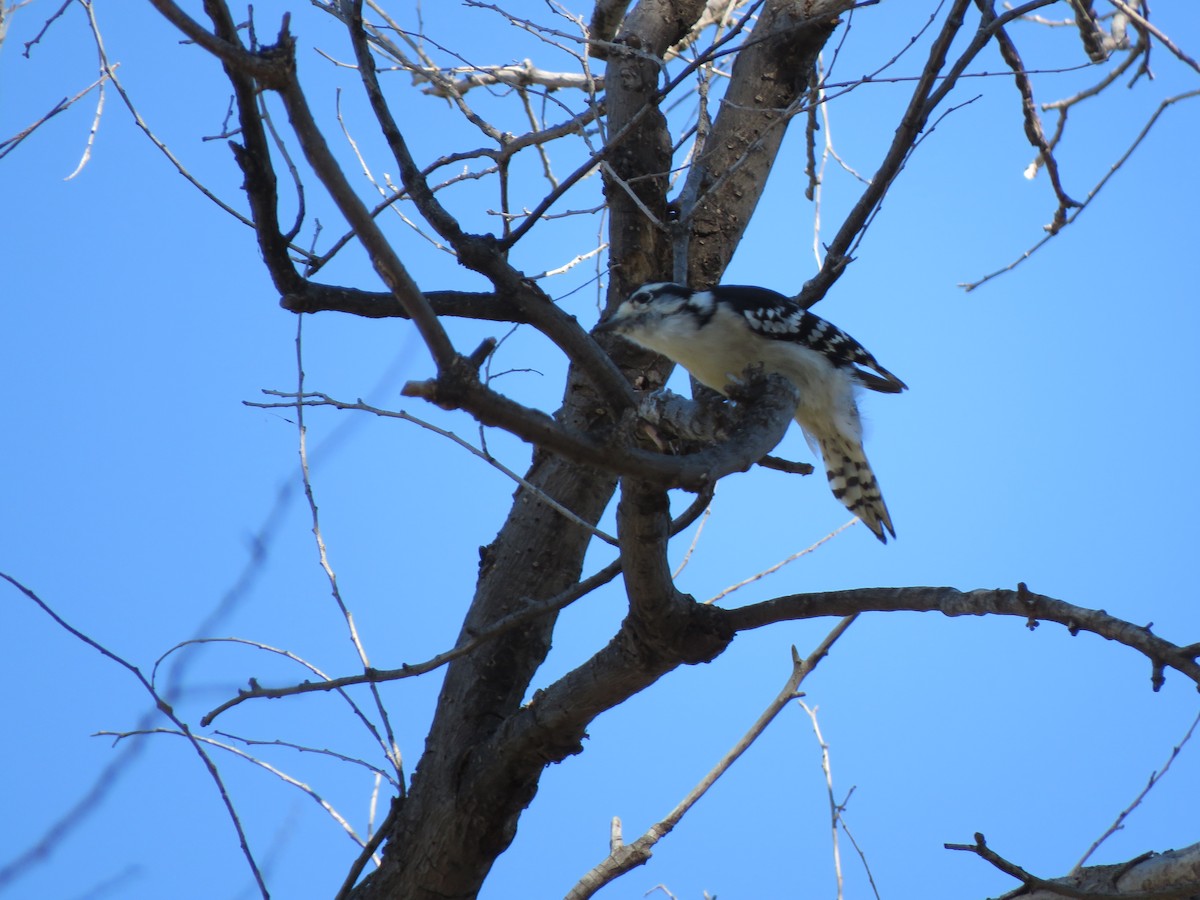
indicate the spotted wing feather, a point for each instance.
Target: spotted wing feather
{"x":772,"y":314}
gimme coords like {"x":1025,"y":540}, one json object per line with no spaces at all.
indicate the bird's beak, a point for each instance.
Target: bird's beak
{"x":606,"y":326}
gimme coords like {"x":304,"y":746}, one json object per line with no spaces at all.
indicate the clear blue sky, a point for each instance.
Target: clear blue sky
{"x":1049,"y":436}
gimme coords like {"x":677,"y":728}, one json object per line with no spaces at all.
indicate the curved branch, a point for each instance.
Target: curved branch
{"x":552,"y":726}
{"x":275,"y":68}
{"x":951,"y":602}
{"x":160,"y":704}
{"x":1077,"y":212}
{"x":467,"y":646}
{"x":761,"y":425}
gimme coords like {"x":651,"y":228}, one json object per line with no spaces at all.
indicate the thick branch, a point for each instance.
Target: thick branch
{"x":384,"y":258}
{"x":643,"y":528}
{"x":253,"y":156}
{"x":762,"y":424}
{"x":270,"y":67}
{"x":769,"y":79}
{"x":606,"y":18}
{"x":465,"y":799}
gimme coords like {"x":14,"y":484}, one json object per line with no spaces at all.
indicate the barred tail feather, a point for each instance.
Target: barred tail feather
{"x":853,"y":483}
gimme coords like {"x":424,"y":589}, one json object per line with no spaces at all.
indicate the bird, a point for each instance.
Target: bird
{"x":718,"y":332}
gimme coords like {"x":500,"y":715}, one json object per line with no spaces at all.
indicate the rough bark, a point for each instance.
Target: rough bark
{"x":769,"y":79}
{"x":462,"y":809}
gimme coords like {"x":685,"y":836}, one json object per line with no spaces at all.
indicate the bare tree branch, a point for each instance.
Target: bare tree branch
{"x":1144,"y":23}
{"x":1155,"y":778}
{"x":1174,"y":881}
{"x":314,"y":297}
{"x":1095,"y":40}
{"x":626,"y":857}
{"x":300,"y":400}
{"x":1113,"y":169}
{"x":165,"y":708}
{"x":1033,"y":124}
{"x":933,"y":85}
{"x":606,"y":18}
{"x":524,"y":74}
{"x":10,"y":144}
{"x":378,"y":676}
{"x":948,"y":601}
{"x":492,"y":736}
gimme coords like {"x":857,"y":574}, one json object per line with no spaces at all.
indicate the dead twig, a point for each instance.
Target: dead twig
{"x":623,"y":857}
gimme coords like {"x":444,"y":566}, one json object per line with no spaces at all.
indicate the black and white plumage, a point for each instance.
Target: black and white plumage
{"x":716,"y":334}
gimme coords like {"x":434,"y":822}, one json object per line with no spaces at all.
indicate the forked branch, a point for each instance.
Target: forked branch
{"x":1152,"y":876}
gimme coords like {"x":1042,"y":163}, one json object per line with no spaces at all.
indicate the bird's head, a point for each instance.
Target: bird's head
{"x":646,"y":310}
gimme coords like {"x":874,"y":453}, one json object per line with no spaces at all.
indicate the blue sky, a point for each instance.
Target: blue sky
{"x":1048,"y":437}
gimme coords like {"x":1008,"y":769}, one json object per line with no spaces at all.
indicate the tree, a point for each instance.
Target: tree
{"x":678,"y":195}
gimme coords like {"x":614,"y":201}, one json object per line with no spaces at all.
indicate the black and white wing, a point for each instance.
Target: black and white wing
{"x":773,"y":315}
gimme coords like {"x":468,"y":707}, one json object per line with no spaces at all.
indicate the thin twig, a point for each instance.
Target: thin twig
{"x":316,"y":398}
{"x":287,"y":654}
{"x":29,"y":45}
{"x":110,"y":71}
{"x":1112,"y":170}
{"x":1155,"y":778}
{"x":165,"y":708}
{"x":9,"y":144}
{"x":391,"y":748}
{"x":1060,"y":887}
{"x":101,"y":96}
{"x":473,"y":642}
{"x":857,"y":849}
{"x":380,"y":775}
{"x":695,"y":540}
{"x":835,"y":809}
{"x":779,"y":565}
{"x":624,"y":857}
{"x":1029,"y":112}
{"x":570,"y":264}
{"x":1144,"y":23}
{"x":368,"y":852}
{"x":263,"y":764}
